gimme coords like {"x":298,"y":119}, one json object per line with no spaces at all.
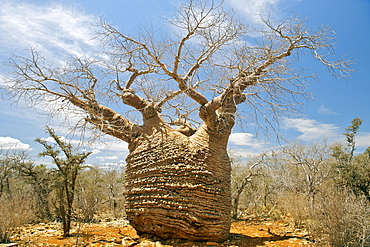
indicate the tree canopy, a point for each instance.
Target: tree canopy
{"x":210,"y":62}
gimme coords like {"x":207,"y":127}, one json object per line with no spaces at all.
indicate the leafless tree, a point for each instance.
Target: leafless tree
{"x":178,"y":180}
{"x":241,"y":181}
{"x":312,"y":163}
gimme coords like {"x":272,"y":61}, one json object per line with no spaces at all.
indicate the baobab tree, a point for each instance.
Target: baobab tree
{"x":186,"y":85}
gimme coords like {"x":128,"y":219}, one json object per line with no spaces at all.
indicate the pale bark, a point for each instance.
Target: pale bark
{"x":179,"y":186}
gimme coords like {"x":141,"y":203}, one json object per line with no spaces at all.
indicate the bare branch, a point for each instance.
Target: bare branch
{"x":212,"y":54}
{"x":74,"y":84}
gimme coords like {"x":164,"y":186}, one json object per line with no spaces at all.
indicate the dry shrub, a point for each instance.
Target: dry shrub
{"x":99,"y":191}
{"x":86,"y":203}
{"x":15,"y":211}
{"x":295,"y":205}
{"x":342,"y":219}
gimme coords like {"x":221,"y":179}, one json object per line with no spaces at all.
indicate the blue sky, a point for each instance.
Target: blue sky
{"x":64,"y":26}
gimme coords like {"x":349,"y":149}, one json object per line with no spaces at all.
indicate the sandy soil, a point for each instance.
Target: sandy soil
{"x":119,"y":233}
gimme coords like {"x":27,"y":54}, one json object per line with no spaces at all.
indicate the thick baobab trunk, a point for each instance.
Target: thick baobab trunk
{"x":179,"y":186}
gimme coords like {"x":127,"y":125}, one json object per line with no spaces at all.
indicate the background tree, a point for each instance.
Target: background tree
{"x":69,"y":167}
{"x":42,"y":180}
{"x":7,"y":162}
{"x":113,"y":181}
{"x":194,"y":77}
{"x":242,"y":175}
{"x":311,"y":160}
{"x":17,"y":204}
{"x":100,"y":191}
{"x":352,"y":171}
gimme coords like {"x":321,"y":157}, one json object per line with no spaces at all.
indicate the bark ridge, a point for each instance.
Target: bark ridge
{"x":178,"y":186}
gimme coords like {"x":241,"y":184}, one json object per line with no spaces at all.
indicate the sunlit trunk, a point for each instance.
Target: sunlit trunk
{"x":179,"y":186}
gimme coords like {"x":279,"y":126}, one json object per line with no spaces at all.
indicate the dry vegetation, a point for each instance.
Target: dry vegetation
{"x":290,"y":198}
{"x":324,"y":190}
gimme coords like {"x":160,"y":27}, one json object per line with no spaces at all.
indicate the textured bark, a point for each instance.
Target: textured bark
{"x":179,"y":186}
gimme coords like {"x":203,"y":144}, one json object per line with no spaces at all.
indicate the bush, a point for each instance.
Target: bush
{"x":342,"y":219}
{"x":295,"y":205}
{"x":99,"y":191}
{"x":15,"y":211}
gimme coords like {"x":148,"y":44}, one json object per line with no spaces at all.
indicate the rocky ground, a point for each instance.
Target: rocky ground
{"x":111,"y":232}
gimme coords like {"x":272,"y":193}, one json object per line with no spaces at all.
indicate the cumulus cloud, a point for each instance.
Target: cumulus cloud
{"x":241,"y":138}
{"x":313,"y":130}
{"x":12,"y":143}
{"x":52,"y":28}
{"x":245,"y":144}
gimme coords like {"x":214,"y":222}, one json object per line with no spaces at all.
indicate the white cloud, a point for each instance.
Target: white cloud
{"x":53,"y":29}
{"x":95,"y":151}
{"x":313,"y":130}
{"x":12,"y":143}
{"x":112,"y":166}
{"x":253,"y":9}
{"x":56,"y":31}
{"x":363,"y":140}
{"x":245,"y":145}
{"x":245,"y":153}
{"x":111,"y":144}
{"x":326,"y":111}
{"x":2,"y":80}
{"x":103,"y":158}
{"x":51,"y":139}
{"x":241,"y":139}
